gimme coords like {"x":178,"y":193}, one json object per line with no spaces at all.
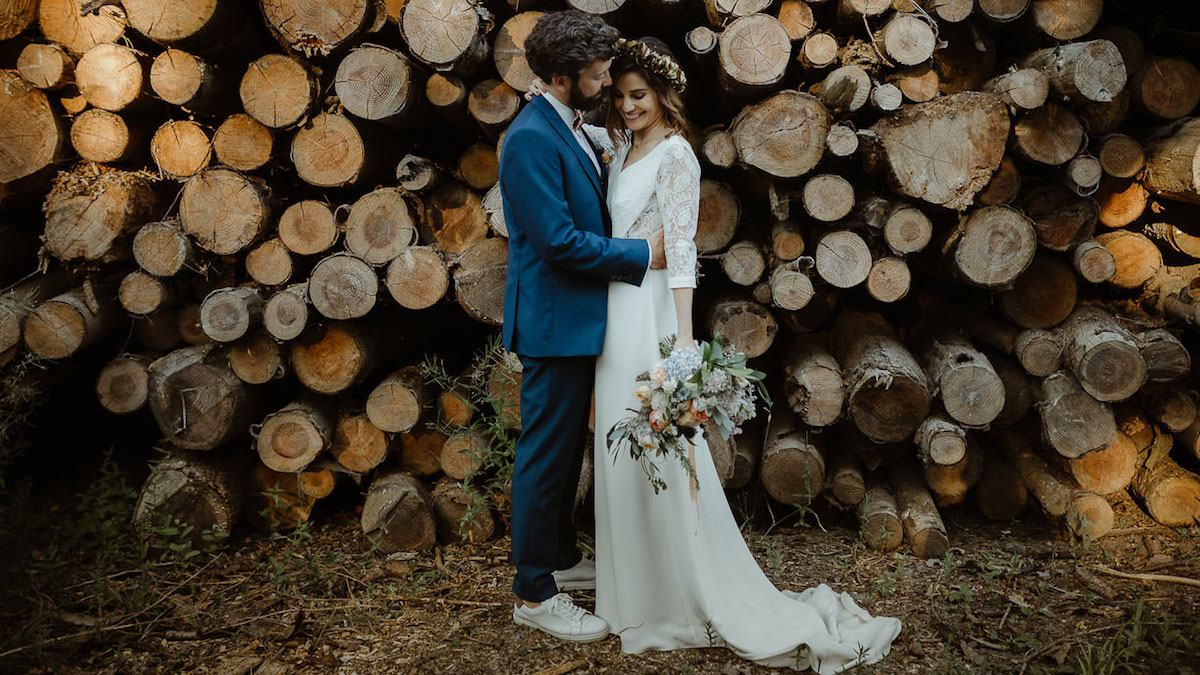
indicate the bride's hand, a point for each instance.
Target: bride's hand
{"x":536,"y":88}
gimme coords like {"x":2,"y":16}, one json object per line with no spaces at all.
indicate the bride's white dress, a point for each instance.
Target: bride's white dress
{"x":671,"y":574}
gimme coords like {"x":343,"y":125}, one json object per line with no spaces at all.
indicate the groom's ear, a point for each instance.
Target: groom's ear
{"x":560,"y":82}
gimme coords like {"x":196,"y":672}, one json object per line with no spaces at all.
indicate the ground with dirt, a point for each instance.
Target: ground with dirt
{"x":81,"y":594}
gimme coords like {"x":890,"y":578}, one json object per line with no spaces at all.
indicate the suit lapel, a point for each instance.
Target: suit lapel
{"x":558,"y":125}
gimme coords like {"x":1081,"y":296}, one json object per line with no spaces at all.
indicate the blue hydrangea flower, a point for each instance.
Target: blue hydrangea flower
{"x":682,"y":364}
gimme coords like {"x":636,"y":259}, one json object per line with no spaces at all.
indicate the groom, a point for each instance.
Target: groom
{"x":560,"y":260}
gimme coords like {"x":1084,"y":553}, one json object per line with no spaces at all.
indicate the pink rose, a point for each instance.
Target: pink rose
{"x":658,"y":375}
{"x":700,"y":415}
{"x":658,"y":420}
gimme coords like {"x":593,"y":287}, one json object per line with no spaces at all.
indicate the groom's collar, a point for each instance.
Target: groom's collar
{"x":566,"y":112}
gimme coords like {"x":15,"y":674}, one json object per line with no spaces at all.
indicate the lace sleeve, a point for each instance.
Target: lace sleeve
{"x":599,"y":138}
{"x":677,"y":191}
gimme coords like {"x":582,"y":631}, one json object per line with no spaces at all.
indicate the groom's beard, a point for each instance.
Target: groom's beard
{"x":584,"y":103}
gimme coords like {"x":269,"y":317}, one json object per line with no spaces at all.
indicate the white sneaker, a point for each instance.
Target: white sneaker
{"x":581,"y":577}
{"x":561,"y":617}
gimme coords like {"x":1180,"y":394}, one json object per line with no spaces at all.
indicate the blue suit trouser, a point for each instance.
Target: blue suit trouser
{"x":555,"y":398}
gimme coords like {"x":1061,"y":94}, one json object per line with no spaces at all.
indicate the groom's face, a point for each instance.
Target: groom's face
{"x":588,"y":89}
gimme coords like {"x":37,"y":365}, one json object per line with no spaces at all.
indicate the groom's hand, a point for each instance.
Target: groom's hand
{"x":658,"y":257}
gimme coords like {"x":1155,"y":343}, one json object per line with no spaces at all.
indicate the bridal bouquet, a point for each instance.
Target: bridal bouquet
{"x":684,"y":390}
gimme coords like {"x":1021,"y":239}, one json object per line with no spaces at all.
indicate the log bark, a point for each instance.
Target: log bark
{"x":1170,"y":493}
{"x":1121,"y":201}
{"x":951,"y":483}
{"x":844,"y":90}
{"x":493,"y":206}
{"x":418,"y":174}
{"x":203,"y":491}
{"x":188,"y":322}
{"x":1000,"y":493}
{"x":1121,"y":156}
{"x":1102,"y":354}
{"x":1173,"y":407}
{"x":493,"y":104}
{"x":940,"y":441}
{"x":20,"y":300}
{"x":380,"y":226}
{"x":1004,"y":186}
{"x":813,"y":381}
{"x":508,"y":52}
{"x":91,"y":216}
{"x":787,"y":240}
{"x":971,"y":391}
{"x":343,"y":286}
{"x":400,"y":401}
{"x":783,"y":135}
{"x":398,"y":513}
{"x":417,"y":278}
{"x":793,"y":464}
{"x":197,"y":401}
{"x":1018,"y":391}
{"x":879,"y":516}
{"x":479,"y":280}
{"x":228,"y":314}
{"x":225,"y":211}
{"x":337,"y":355}
{"x":1061,"y":219}
{"x":1087,"y":71}
{"x":887,"y":393}
{"x":358,"y":445}
{"x":1072,"y":421}
{"x":790,"y":288}
{"x":451,"y":505}
{"x":447,"y":94}
{"x":1094,"y":263}
{"x":285,"y":315}
{"x":1086,"y":514}
{"x":717,"y":148}
{"x":158,"y":331}
{"x":78,"y":318}
{"x":1039,"y":351}
{"x":1043,"y":296}
{"x":819,"y":50}
{"x":1024,"y":89}
{"x":907,"y":39}
{"x":122,"y":387}
{"x":993,"y":247}
{"x":103,"y":136}
{"x":1171,"y":167}
{"x":845,"y":479}
{"x":923,"y":526}
{"x":243,"y":143}
{"x":294,"y":436}
{"x":1167,"y":358}
{"x":16,"y":16}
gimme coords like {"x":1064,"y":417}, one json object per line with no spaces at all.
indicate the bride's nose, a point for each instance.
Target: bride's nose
{"x":626,"y":104}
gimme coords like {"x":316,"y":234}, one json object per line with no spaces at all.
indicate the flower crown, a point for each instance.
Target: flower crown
{"x":655,"y":62}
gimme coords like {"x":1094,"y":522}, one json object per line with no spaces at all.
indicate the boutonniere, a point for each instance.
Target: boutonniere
{"x":606,"y":157}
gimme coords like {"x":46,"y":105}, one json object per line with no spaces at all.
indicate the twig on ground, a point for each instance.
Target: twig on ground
{"x":1148,"y":577}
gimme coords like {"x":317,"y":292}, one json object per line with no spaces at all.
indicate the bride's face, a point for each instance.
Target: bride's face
{"x":637,"y":102}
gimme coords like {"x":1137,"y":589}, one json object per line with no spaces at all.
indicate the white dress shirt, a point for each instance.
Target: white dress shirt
{"x":568,"y":116}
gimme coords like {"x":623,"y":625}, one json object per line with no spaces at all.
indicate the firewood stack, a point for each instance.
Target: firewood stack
{"x":958,"y":235}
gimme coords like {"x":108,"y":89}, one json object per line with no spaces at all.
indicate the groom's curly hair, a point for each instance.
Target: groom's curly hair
{"x":567,"y":43}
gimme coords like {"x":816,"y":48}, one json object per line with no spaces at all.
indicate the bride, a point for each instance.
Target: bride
{"x":672,"y":569}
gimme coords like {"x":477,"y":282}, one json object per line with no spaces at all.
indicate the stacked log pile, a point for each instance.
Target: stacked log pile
{"x":961,"y":238}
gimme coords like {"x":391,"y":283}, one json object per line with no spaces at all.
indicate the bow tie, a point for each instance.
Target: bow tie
{"x":578,"y":121}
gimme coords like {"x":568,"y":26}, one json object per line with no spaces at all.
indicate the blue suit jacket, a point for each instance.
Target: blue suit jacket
{"x":560,"y":257}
